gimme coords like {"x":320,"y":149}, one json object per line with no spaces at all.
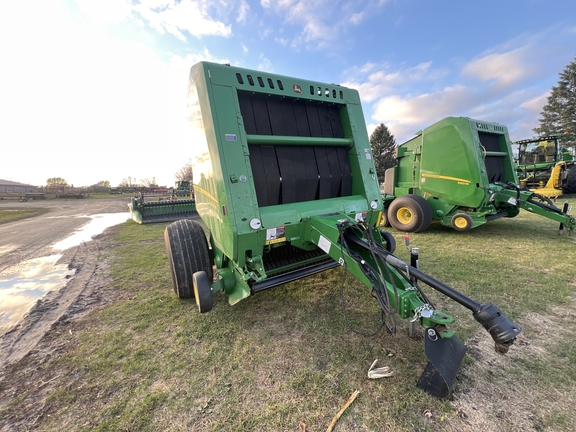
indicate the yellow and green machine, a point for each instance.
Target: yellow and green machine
{"x":460,"y":172}
{"x":545,"y":166}
{"x":284,"y":181}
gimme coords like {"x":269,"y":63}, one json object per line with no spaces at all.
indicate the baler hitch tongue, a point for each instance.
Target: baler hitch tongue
{"x":500,"y":327}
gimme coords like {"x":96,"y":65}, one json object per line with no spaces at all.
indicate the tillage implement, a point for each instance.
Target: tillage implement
{"x":162,"y":207}
{"x":285,"y":183}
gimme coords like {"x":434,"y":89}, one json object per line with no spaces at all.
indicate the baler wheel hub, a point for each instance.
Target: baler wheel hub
{"x":404,"y":215}
{"x":462,"y":222}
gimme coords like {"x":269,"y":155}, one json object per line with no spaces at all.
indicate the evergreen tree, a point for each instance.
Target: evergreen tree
{"x":383,"y":145}
{"x":559,"y":114}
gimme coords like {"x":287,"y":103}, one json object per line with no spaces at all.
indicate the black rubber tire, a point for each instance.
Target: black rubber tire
{"x":390,"y":241}
{"x":188,"y":253}
{"x":202,"y":291}
{"x":461,"y":222}
{"x":385,"y":222}
{"x":569,"y":186}
{"x":410,"y":213}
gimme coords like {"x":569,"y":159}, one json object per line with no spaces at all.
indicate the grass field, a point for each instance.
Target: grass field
{"x":11,"y":214}
{"x":284,"y":359}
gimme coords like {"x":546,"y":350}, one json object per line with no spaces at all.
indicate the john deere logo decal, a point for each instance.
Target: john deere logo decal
{"x":296,"y":88}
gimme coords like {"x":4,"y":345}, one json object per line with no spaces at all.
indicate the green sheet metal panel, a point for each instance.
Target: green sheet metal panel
{"x":244,"y":112}
{"x":451,"y":167}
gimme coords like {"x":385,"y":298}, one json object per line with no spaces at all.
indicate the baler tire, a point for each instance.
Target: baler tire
{"x":390,"y":241}
{"x":569,"y":186}
{"x":461,"y":222}
{"x":202,"y":292}
{"x":187,"y":250}
{"x":385,"y":222}
{"x":410,"y":213}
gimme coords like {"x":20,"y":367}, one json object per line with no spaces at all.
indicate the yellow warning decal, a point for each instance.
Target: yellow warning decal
{"x":441,"y":177}
{"x":276,"y":235}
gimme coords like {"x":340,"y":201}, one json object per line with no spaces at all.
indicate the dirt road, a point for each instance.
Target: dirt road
{"x":33,"y":238}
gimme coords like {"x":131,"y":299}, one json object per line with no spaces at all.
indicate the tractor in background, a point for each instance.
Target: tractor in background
{"x":545,"y":167}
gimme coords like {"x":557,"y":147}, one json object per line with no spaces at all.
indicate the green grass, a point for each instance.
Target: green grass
{"x":152,"y":362}
{"x":106,"y":195}
{"x":10,"y":214}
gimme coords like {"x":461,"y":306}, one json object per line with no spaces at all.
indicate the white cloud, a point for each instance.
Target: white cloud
{"x":243,"y":10}
{"x":356,"y":18}
{"x":105,"y":11}
{"x":535,"y":104}
{"x":407,"y":114}
{"x":281,"y":41}
{"x":86,"y":106}
{"x":321,"y":21}
{"x":505,"y":68}
{"x":380,"y":83}
{"x":176,"y":17}
{"x":265,"y":64}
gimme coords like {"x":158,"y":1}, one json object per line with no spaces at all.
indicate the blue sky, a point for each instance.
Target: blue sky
{"x":95,"y":90}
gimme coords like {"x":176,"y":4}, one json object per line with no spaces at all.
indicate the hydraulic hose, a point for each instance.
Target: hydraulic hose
{"x":500,"y":327}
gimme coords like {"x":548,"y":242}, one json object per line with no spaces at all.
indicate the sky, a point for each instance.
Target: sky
{"x":95,"y":90}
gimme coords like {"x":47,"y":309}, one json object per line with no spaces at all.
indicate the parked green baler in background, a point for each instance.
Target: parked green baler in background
{"x":285,"y":182}
{"x":460,"y":172}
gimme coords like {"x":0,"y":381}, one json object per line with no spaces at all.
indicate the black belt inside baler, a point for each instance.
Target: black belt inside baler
{"x":298,"y":149}
{"x":286,"y":174}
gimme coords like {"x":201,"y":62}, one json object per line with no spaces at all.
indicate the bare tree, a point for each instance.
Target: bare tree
{"x":128,"y":182}
{"x":185,"y":173}
{"x":149,"y":182}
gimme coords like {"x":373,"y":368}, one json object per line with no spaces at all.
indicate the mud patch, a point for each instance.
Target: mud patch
{"x":72,"y":301}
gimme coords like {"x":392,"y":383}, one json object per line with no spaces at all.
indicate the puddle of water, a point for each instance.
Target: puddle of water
{"x":21,"y":286}
{"x":96,"y":226}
